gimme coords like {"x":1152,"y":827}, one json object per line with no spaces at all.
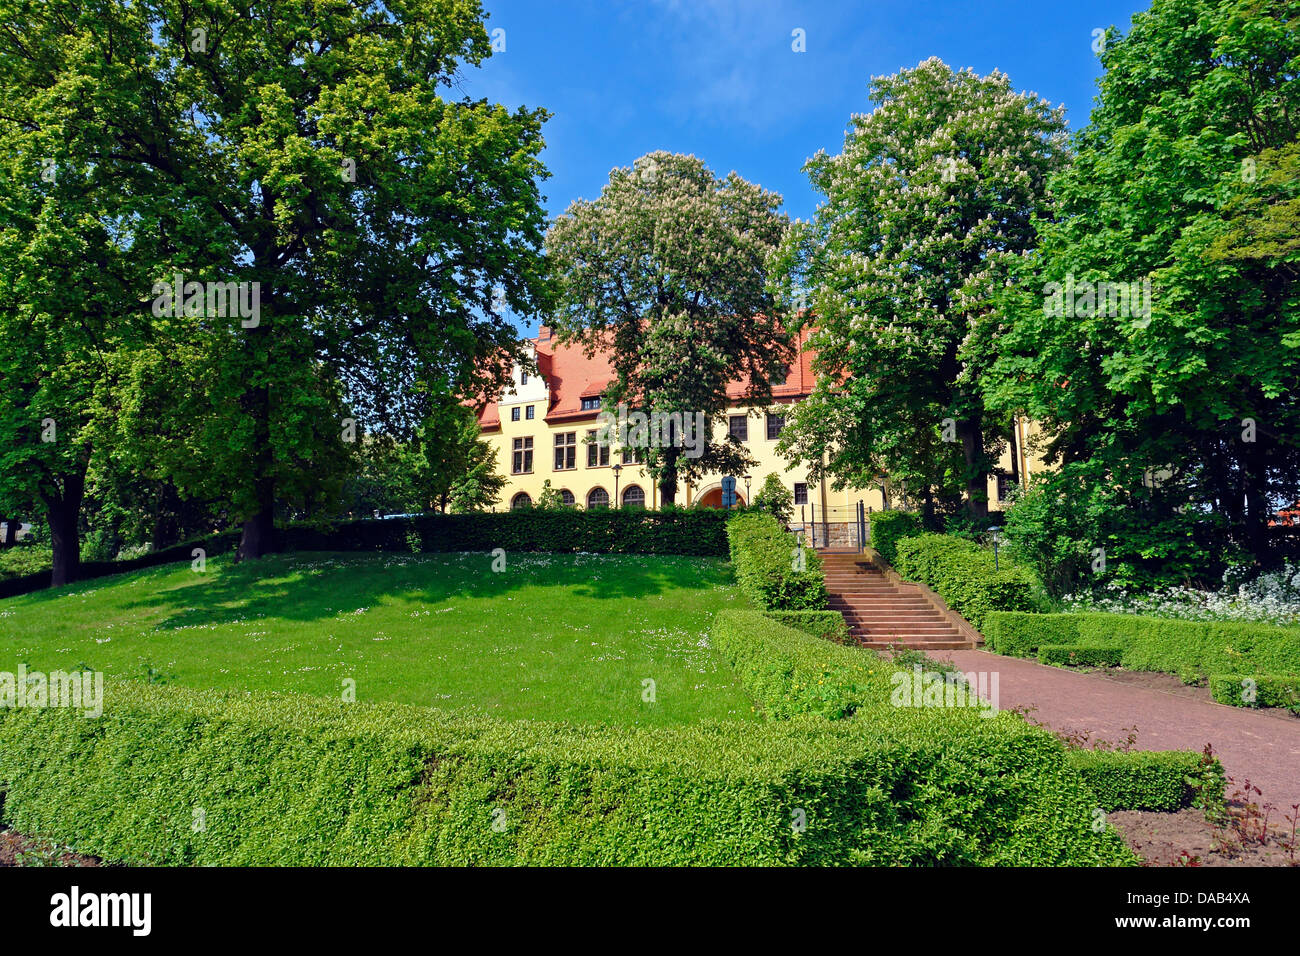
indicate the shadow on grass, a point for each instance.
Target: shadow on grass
{"x":311,"y":586}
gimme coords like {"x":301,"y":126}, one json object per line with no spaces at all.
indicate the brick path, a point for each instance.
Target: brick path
{"x":1263,"y":748}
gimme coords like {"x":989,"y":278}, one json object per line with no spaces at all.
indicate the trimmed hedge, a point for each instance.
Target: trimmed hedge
{"x":1081,"y":655}
{"x":1163,"y":780}
{"x":950,"y":786}
{"x":1191,"y":649}
{"x":890,"y":527}
{"x":699,"y":532}
{"x":285,"y":780}
{"x":963,"y":574}
{"x":1271,"y":690}
{"x":828,"y":625}
{"x":763,"y":554}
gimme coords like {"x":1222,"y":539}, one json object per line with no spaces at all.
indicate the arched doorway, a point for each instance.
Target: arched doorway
{"x":713,"y":498}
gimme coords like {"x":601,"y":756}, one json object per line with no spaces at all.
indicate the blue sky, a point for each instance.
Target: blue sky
{"x":718,"y":78}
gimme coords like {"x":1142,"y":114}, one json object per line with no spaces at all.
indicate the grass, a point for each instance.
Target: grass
{"x":555,"y":637}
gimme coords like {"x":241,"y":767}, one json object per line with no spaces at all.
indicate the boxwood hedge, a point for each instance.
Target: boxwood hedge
{"x":963,"y":574}
{"x":829,"y":625}
{"x":1162,"y":780}
{"x":953,"y":786}
{"x":890,"y":527}
{"x":171,"y":776}
{"x":772,"y":569}
{"x":1266,"y":690}
{"x":1191,"y":649}
{"x":1081,"y":655}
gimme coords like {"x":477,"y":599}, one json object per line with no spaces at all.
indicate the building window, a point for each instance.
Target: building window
{"x":633,"y":497}
{"x":781,"y":376}
{"x":591,"y":404}
{"x":521,"y":501}
{"x":566,"y":451}
{"x":774,"y":425}
{"x":514,"y":414}
{"x":523,"y":456}
{"x":597,"y":454}
{"x":1004,"y":486}
{"x":523,"y":378}
{"x":529,"y":414}
{"x":738,"y":426}
{"x":566,"y":498}
{"x":634,"y":456}
{"x":598,"y":498}
{"x":800,"y":493}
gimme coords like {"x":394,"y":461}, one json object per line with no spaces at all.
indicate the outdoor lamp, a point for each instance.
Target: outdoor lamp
{"x":746,"y":480}
{"x":617,"y":468}
{"x":994,"y":531}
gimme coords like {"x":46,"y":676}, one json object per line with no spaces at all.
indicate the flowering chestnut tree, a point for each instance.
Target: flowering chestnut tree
{"x":931,"y":200}
{"x":668,"y":268}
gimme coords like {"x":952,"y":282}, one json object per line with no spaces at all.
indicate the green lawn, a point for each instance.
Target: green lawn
{"x":557,"y":637}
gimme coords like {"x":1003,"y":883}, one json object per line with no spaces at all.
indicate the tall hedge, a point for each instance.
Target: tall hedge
{"x":964,"y":575}
{"x":954,"y":787}
{"x":887,"y":528}
{"x":772,"y":568}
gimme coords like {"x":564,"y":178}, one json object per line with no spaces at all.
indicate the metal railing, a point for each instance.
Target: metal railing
{"x":833,"y":526}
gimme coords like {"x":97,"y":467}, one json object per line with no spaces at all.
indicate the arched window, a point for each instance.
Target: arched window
{"x":633,"y":497}
{"x":598,"y":498}
{"x":566,"y":498}
{"x":521,"y":501}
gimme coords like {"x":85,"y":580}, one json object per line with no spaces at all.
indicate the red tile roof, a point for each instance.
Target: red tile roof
{"x":571,"y":375}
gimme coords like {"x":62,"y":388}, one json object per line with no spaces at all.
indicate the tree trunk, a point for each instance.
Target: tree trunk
{"x":977,"y":476}
{"x":63,"y":509}
{"x":258,"y":537}
{"x":668,"y":476}
{"x":1258,"y":511}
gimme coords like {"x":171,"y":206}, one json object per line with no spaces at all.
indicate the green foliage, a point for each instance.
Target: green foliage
{"x":23,"y":559}
{"x":887,"y":528}
{"x":669,"y":266}
{"x":828,"y":625}
{"x":1191,"y":649}
{"x":775,"y":498}
{"x":963,"y":789}
{"x":1183,"y":419}
{"x":1161,"y":780}
{"x":1267,"y":690}
{"x":565,"y":530}
{"x":550,"y":498}
{"x":773,"y":568}
{"x":926,"y":209}
{"x":963,"y":574}
{"x":1080,"y":655}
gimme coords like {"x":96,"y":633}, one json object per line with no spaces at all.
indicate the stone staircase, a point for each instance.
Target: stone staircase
{"x":881,"y":614}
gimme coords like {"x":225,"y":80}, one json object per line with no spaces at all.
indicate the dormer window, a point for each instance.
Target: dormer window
{"x":591,"y":404}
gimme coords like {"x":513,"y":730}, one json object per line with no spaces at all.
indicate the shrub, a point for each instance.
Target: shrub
{"x":1163,"y":780}
{"x":1080,"y":655}
{"x":952,"y":786}
{"x":828,"y":625}
{"x":286,"y":780}
{"x":963,"y":574}
{"x":1020,"y":634}
{"x":567,"y":530}
{"x":1191,"y":649}
{"x":775,"y":498}
{"x":23,"y":559}
{"x":1265,"y":690}
{"x":767,"y":558}
{"x":890,"y":527}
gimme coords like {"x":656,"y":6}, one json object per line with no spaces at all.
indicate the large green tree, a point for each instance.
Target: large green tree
{"x":308,"y":147}
{"x":926,"y":209}
{"x":668,"y":270}
{"x":1184,"y":178}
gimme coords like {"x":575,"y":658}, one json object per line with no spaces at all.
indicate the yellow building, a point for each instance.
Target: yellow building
{"x":545,"y":427}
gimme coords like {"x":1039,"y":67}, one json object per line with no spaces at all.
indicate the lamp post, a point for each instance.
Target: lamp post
{"x":617,"y":469}
{"x":994,"y":531}
{"x":746,"y":479}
